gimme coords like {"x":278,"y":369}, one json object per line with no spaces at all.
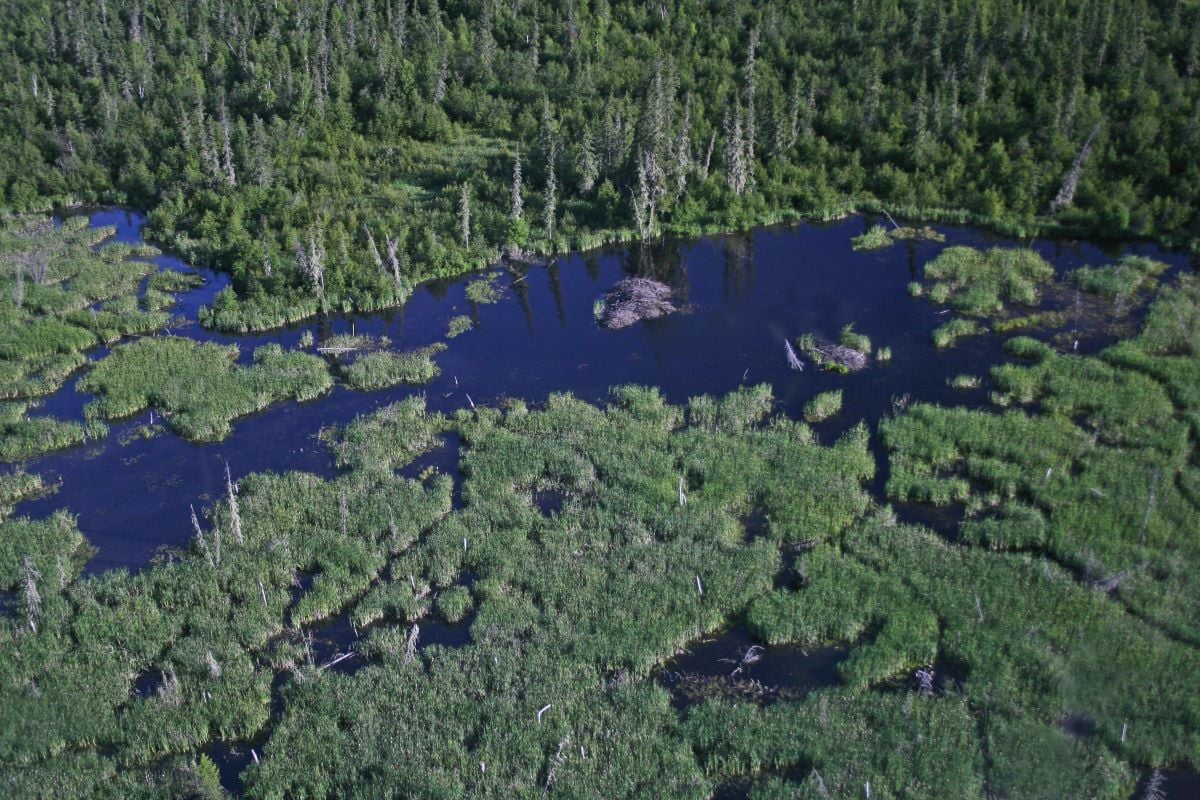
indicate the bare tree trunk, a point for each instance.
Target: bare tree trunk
{"x":1066,"y":194}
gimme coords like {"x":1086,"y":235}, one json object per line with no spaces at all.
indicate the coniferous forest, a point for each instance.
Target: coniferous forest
{"x":600,"y":399}
{"x":332,"y":154}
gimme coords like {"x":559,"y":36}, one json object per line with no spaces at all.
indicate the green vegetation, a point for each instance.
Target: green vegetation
{"x":60,"y":297}
{"x":879,"y":237}
{"x":142,"y":670}
{"x":198,"y":387}
{"x":138,"y":672}
{"x":874,"y":239}
{"x":1102,"y":480}
{"x":883,"y":355}
{"x":389,"y":438}
{"x":379,"y":148}
{"x":1033,"y":648}
{"x":1038,"y":319}
{"x":454,"y":604}
{"x":1067,"y":597}
{"x":484,"y":290}
{"x":458,"y":325}
{"x":28,"y":437}
{"x":384,"y":368}
{"x":982,"y":282}
{"x":966,"y":382}
{"x":333,"y":156}
{"x":17,"y":486}
{"x":948,"y":333}
{"x":823,"y":406}
{"x":854,"y":340}
{"x":1121,"y":279}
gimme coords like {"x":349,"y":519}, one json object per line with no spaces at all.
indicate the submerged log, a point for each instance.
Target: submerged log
{"x":633,"y":300}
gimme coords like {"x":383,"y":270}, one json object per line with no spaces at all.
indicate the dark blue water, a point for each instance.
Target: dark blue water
{"x":746,"y":295}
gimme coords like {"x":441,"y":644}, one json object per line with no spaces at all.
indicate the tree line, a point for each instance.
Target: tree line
{"x":334,"y":152}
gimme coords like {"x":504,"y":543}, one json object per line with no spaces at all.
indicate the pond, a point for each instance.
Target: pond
{"x":745,"y":294}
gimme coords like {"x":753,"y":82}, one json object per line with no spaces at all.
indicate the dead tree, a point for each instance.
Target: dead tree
{"x":1066,"y":194}
{"x":30,"y":594}
{"x":235,"y":517}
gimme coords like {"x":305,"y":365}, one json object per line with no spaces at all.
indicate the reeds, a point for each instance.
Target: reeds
{"x":198,"y":387}
{"x":384,"y":368}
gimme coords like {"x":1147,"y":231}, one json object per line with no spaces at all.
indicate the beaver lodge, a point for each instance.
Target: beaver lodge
{"x":633,"y":300}
{"x":831,"y":356}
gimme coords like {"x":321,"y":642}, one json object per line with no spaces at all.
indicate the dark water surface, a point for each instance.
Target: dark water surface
{"x":747,"y":294}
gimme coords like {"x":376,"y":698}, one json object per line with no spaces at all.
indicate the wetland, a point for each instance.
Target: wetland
{"x":358,"y":555}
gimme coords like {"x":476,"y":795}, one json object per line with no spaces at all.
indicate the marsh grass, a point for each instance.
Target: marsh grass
{"x":823,"y":406}
{"x":62,"y":297}
{"x":1098,"y":480}
{"x":381,"y":369}
{"x":19,"y":485}
{"x":855,"y":340}
{"x":198,"y":387}
{"x":916,"y":598}
{"x":948,"y":333}
{"x":29,"y":437}
{"x":458,"y":325}
{"x":484,"y":290}
{"x":985,"y":282}
{"x":1129,"y":275}
{"x":874,"y":239}
{"x":880,"y":236}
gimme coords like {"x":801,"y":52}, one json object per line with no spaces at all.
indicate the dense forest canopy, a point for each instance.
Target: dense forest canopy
{"x":331,"y":154}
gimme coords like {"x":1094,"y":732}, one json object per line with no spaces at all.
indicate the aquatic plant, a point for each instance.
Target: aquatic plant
{"x":198,"y":388}
{"x":880,"y":236}
{"x":28,"y":437}
{"x":19,"y":485}
{"x":484,"y":290}
{"x":823,"y":406}
{"x":854,"y":340}
{"x":948,"y":333}
{"x":384,"y":368}
{"x":1130,"y":274}
{"x":874,"y":239}
{"x":1099,"y":480}
{"x":982,"y":282}
{"x":458,"y":325}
